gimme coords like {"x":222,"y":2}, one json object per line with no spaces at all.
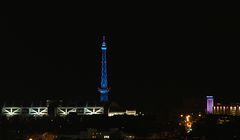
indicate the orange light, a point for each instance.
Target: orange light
{"x":189,"y":124}
{"x":187,"y":118}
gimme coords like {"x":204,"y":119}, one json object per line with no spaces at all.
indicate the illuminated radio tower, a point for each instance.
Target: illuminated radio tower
{"x":104,"y":82}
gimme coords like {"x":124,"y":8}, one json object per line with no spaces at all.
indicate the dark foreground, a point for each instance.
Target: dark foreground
{"x":89,"y":127}
{"x":216,"y":127}
{"x":210,"y":127}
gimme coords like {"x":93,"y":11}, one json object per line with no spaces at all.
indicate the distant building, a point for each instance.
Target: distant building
{"x":233,"y":109}
{"x":222,"y":109}
{"x":114,"y":109}
{"x":210,"y":104}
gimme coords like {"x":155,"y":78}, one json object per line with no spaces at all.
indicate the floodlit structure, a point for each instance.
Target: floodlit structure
{"x":93,"y":110}
{"x":11,"y":111}
{"x":38,"y":111}
{"x":103,"y":90}
{"x":64,"y":111}
{"x":127,"y":112}
{"x":43,"y":111}
{"x":27,"y":111}
{"x":210,"y":104}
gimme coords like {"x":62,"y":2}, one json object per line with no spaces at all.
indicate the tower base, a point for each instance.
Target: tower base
{"x":104,"y":98}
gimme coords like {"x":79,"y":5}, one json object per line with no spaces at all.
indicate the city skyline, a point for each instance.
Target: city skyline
{"x":151,"y":58}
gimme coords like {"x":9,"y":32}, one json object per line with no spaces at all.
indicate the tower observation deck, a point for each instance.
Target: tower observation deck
{"x":103,"y":90}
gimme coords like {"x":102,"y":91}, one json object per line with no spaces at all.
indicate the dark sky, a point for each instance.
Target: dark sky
{"x":158,"y":57}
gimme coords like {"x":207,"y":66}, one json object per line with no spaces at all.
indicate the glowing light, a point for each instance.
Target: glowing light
{"x":30,"y":139}
{"x":189,"y":130}
{"x":131,"y":112}
{"x":38,"y":111}
{"x":188,"y":118}
{"x":106,"y":137}
{"x":188,"y":123}
{"x":11,"y":111}
{"x":181,"y":115}
{"x":130,"y":137}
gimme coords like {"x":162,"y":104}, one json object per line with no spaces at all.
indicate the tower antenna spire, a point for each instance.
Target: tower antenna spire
{"x":104,"y":43}
{"x":103,"y":90}
{"x":104,"y":38}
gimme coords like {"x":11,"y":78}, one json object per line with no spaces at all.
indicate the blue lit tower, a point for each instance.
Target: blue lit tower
{"x":104,"y":82}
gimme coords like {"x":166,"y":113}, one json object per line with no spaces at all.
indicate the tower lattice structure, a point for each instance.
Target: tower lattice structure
{"x":104,"y":90}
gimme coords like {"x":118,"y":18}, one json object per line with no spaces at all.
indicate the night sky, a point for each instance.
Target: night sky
{"x":158,"y":58}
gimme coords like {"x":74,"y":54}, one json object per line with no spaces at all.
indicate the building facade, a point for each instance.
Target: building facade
{"x":221,"y":109}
